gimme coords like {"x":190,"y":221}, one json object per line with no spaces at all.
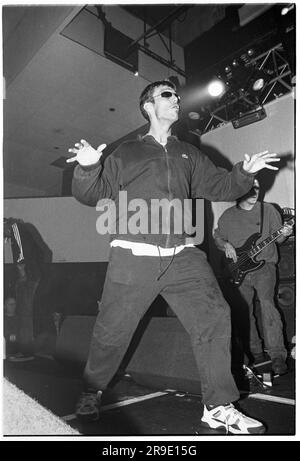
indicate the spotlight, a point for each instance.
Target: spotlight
{"x":227,"y":69}
{"x":287,"y":9}
{"x":136,"y":73}
{"x":258,"y":84}
{"x":258,"y":80}
{"x":250,"y":52}
{"x":216,"y":88}
{"x":234,"y":63}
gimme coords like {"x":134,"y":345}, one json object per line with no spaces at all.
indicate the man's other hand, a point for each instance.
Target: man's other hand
{"x":259,"y":161}
{"x":85,"y":153}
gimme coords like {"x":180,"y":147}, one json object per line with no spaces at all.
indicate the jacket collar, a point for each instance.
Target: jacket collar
{"x":151,"y":139}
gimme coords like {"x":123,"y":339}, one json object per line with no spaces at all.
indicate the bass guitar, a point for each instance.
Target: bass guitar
{"x":246,"y":256}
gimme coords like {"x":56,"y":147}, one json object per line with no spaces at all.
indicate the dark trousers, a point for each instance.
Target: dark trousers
{"x":190,"y":288}
{"x":263,"y":282}
{"x":25,"y":292}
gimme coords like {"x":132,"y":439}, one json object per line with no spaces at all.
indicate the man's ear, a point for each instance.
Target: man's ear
{"x":148,"y":107}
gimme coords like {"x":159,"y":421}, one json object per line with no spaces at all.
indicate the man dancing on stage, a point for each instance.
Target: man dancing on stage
{"x":143,"y":265}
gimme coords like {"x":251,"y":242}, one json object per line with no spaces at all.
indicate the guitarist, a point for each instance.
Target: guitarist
{"x":250,"y":216}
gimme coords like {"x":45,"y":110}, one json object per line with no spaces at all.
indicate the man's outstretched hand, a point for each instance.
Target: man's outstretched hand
{"x":85,"y":154}
{"x":259,"y":161}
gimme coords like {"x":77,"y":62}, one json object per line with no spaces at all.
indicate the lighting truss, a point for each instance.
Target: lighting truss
{"x":236,"y":103}
{"x":155,"y":30}
{"x":165,"y":23}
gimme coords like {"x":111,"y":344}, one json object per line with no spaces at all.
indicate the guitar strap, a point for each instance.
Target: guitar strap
{"x":261,"y":217}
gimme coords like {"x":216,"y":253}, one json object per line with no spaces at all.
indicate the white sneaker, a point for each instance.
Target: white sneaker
{"x":231,"y":420}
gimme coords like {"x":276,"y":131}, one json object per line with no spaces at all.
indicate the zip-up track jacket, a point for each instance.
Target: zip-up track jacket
{"x":146,"y":170}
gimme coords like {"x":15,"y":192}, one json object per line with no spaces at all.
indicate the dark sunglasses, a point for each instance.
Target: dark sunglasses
{"x":168,"y":94}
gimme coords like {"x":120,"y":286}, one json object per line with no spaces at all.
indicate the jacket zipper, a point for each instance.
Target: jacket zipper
{"x":169,"y":191}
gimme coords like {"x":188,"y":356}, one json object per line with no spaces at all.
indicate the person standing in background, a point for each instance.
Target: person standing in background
{"x":28,"y":260}
{"x":235,"y":226}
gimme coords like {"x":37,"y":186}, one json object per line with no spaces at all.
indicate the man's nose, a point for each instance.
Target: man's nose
{"x":175,"y":98}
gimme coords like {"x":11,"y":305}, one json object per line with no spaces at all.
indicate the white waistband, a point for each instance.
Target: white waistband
{"x":146,"y":249}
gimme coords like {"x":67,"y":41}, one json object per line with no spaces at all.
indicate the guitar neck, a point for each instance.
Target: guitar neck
{"x":262,"y":245}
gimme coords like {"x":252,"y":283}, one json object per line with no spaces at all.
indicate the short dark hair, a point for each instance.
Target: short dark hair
{"x":147,"y":94}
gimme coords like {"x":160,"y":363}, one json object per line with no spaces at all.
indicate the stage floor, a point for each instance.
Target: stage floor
{"x":131,"y":409}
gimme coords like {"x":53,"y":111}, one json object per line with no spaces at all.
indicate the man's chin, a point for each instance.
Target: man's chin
{"x":175,"y":116}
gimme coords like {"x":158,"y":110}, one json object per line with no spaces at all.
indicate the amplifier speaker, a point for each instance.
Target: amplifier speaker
{"x":286,"y":266}
{"x":164,"y":358}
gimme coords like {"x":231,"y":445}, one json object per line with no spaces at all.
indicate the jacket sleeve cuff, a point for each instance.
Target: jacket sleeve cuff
{"x":90,"y":167}
{"x":246,"y":173}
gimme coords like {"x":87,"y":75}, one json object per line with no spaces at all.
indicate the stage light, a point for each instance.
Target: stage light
{"x":244,"y":57}
{"x":258,"y":80}
{"x":287,"y":9}
{"x":249,"y":117}
{"x":258,"y":84}
{"x":216,"y":88}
